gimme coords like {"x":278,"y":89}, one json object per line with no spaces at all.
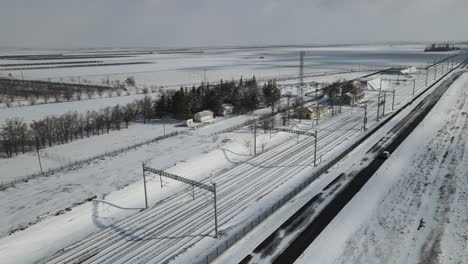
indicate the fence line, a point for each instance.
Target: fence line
{"x":5,"y":185}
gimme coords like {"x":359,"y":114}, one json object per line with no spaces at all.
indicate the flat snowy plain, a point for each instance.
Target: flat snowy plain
{"x":35,"y":201}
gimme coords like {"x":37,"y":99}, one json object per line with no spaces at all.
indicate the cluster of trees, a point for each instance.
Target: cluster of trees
{"x":17,"y":137}
{"x":243,"y":95}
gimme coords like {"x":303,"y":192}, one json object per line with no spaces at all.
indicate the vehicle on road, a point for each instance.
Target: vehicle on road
{"x":385,"y":155}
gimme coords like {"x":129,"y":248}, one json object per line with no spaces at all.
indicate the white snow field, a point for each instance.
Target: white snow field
{"x":174,"y":225}
{"x":211,"y":64}
{"x":414,"y":209}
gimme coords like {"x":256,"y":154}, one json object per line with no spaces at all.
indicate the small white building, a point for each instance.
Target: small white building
{"x":189,"y":122}
{"x":203,"y":116}
{"x":227,"y":109}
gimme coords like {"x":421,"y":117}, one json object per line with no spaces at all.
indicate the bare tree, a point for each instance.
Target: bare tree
{"x":130,"y":81}
{"x":146,"y":108}
{"x":68,"y":94}
{"x":266,"y":124}
{"x":100,"y":92}
{"x":117,"y":116}
{"x":129,"y":113}
{"x":45,"y":96}
{"x":107,"y":118}
{"x":89,"y":93}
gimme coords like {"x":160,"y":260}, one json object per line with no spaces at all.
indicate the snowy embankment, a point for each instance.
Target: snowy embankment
{"x":413,"y":210}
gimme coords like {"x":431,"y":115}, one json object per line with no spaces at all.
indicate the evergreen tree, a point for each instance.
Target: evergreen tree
{"x":271,"y":94}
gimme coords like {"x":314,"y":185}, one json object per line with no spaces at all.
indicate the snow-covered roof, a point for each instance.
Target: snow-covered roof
{"x":204,"y":113}
{"x":409,"y":70}
{"x":359,"y":85}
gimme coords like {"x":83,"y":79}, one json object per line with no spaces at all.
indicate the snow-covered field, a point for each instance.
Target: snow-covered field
{"x":414,"y":209}
{"x":178,"y":69}
{"x":174,"y":70}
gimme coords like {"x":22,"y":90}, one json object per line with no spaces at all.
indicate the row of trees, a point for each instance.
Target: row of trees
{"x":32,"y":91}
{"x":18,"y":137}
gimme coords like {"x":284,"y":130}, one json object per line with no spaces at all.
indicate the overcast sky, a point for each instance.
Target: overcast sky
{"x":183,"y":23}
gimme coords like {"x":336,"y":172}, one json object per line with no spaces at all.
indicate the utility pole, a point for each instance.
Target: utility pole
{"x":315,"y":148}
{"x":317,"y":104}
{"x":341,"y":99}
{"x":215,"y":210}
{"x":393,"y":100}
{"x":333,"y":112}
{"x":38,"y":156}
{"x":427,"y":74}
{"x":255,"y":139}
{"x":144,"y":185}
{"x":365,"y":116}
{"x":384,"y":102}
{"x":301,"y":82}
{"x":378,"y":106}
{"x":414,"y":86}
{"x":289,"y":110}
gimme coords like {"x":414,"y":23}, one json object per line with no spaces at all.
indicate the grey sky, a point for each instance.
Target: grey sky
{"x":168,"y":23}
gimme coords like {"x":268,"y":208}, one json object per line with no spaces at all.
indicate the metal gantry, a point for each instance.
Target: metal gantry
{"x":192,"y":183}
{"x":299,"y":132}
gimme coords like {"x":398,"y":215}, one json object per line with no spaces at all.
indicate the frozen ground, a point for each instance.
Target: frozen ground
{"x":413,"y":210}
{"x":230,"y":63}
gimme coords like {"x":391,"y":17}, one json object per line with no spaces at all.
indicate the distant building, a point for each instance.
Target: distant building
{"x":392,"y":71}
{"x":351,"y":99}
{"x":310,"y":112}
{"x":227,"y":109}
{"x":189,"y":122}
{"x":203,"y":116}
